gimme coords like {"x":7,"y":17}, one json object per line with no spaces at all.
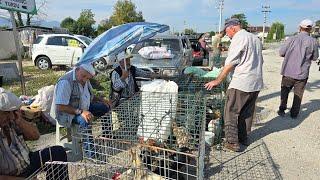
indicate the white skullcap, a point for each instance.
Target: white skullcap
{"x":89,"y":68}
{"x":9,"y":101}
{"x":306,"y":23}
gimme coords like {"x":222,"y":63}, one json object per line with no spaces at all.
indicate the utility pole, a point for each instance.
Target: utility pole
{"x":221,"y":3}
{"x":265,"y":11}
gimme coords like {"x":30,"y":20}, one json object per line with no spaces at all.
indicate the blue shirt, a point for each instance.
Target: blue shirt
{"x":298,"y":52}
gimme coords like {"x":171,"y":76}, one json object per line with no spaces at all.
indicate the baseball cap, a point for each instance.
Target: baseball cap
{"x":89,"y":68}
{"x":231,"y":22}
{"x":306,"y":23}
{"x":9,"y":101}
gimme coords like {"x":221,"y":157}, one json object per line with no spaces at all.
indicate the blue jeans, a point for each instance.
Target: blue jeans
{"x":97,"y":109}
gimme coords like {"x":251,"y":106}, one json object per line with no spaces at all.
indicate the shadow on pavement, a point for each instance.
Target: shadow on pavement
{"x":283,"y":123}
{"x":253,"y":163}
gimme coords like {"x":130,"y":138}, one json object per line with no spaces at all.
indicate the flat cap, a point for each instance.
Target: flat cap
{"x":231,"y":22}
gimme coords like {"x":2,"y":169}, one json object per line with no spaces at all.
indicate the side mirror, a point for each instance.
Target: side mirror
{"x":82,"y":47}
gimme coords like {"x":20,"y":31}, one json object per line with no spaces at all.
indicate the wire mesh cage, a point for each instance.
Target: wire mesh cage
{"x":163,"y":131}
{"x":215,"y":99}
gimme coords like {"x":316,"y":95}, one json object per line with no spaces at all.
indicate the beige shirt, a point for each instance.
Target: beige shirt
{"x":245,"y":54}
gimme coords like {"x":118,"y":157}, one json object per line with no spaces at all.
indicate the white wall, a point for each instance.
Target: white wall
{"x":7,"y":47}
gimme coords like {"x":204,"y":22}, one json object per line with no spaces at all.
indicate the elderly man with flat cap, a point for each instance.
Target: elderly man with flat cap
{"x":16,"y":160}
{"x":74,"y":102}
{"x":245,"y":62}
{"x":298,"y":51}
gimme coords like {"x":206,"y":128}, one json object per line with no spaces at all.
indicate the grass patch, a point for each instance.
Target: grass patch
{"x":34,"y":80}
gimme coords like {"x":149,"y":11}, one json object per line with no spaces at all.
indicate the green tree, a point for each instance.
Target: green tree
{"x":84,"y":24}
{"x":189,"y":31}
{"x":318,"y":23}
{"x":276,"y":32}
{"x":125,"y":12}
{"x":103,"y":26}
{"x":243,"y":20}
{"x":69,"y":24}
{"x":212,"y":33}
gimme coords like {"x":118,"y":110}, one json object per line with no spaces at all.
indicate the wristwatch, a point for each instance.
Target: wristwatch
{"x":79,"y":111}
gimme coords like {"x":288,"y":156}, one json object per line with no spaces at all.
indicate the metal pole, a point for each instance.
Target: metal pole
{"x":265,"y":11}
{"x":220,"y":14}
{"x":18,"y":49}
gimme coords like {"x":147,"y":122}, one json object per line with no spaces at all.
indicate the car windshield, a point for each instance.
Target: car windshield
{"x":85,"y":39}
{"x":170,"y":44}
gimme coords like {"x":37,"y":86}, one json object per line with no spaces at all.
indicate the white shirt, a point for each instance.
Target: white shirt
{"x":245,"y":54}
{"x":64,"y":93}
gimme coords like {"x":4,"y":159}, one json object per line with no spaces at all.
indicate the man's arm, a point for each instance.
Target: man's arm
{"x":284,"y":47}
{"x":225,"y":71}
{"x":315,"y":54}
{"x":30,"y":132}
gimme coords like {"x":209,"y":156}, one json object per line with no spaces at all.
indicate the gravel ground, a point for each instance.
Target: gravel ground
{"x":293,"y":143}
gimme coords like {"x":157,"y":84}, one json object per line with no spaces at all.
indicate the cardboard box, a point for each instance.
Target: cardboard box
{"x":30,"y":112}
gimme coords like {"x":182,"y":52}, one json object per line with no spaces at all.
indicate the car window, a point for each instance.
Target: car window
{"x":38,"y":40}
{"x":72,"y":42}
{"x":170,"y":44}
{"x":85,"y":39}
{"x":56,"y":41}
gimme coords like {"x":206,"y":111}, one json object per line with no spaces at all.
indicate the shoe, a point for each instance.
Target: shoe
{"x":244,"y":142}
{"x":232,"y":146}
{"x":281,"y":113}
{"x":293,"y":116}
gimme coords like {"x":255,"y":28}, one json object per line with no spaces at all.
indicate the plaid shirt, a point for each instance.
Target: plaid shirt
{"x":14,"y":158}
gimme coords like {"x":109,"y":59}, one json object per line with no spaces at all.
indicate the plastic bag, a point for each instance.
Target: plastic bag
{"x":155,"y":52}
{"x":44,"y":98}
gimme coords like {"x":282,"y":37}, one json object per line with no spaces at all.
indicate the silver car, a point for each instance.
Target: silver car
{"x":179,"y":46}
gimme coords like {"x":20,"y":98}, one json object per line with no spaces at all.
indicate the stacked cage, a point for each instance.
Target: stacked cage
{"x":215,"y":99}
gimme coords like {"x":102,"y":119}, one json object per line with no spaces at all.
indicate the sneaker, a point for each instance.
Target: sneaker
{"x":232,"y":146}
{"x":281,"y":113}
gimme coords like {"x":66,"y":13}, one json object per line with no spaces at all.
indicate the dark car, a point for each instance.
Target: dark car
{"x":178,"y":45}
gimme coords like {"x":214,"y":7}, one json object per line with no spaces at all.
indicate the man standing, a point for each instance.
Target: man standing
{"x":245,"y":60}
{"x":298,"y":52}
{"x":74,"y":102}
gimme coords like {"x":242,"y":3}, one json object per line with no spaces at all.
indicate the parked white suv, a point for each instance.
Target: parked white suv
{"x":57,"y":49}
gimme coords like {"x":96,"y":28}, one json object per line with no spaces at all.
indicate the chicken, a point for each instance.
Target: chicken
{"x":182,"y":135}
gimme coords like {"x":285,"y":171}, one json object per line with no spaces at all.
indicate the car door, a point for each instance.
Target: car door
{"x":55,"y":49}
{"x":74,"y":50}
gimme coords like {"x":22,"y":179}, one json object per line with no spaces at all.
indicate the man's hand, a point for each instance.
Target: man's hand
{"x":212,"y":84}
{"x":87,"y":115}
{"x":125,"y":74}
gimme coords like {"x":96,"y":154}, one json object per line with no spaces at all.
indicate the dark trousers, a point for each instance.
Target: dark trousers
{"x":53,"y":171}
{"x":239,"y":109}
{"x":298,"y":86}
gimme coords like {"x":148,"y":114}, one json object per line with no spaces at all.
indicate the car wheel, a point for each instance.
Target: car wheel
{"x":100,"y":64}
{"x":44,"y":63}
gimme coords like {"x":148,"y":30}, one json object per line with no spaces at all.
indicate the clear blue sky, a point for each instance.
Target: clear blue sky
{"x":200,"y":15}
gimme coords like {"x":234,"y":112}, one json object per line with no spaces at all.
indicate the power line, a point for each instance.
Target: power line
{"x":265,"y":12}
